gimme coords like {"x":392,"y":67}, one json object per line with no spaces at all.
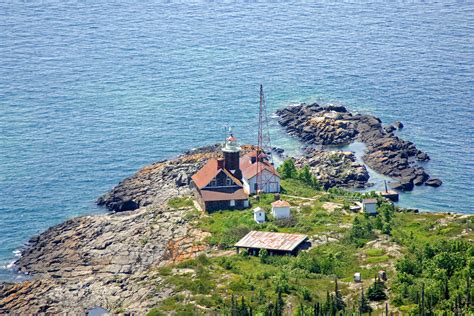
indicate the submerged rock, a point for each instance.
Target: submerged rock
{"x":434,"y":182}
{"x":398,"y":125}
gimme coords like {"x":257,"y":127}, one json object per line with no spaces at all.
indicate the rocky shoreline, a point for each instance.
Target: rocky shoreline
{"x":110,"y":260}
{"x":386,"y":153}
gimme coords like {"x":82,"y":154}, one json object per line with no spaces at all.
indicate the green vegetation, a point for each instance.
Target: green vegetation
{"x":376,"y":292}
{"x":287,"y":170}
{"x":428,"y":258}
{"x":180,"y":202}
{"x":297,"y":187}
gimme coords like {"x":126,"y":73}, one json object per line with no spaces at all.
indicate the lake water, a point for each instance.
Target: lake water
{"x":90,"y":92}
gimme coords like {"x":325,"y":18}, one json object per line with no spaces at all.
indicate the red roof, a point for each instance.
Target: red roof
{"x":206,"y":173}
{"x":249,"y":169}
{"x":209,"y":171}
{"x":281,"y":203}
{"x":231,"y":138}
{"x":208,"y":195}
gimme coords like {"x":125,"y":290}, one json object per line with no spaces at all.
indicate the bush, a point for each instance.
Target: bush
{"x":287,"y":170}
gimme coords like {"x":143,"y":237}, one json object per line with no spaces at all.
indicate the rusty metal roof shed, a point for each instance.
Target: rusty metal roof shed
{"x":271,"y":241}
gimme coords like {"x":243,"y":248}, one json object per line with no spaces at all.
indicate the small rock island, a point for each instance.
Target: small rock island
{"x":386,"y":153}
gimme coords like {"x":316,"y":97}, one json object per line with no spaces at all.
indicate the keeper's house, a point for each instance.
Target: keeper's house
{"x":274,"y":243}
{"x":259,"y":171}
{"x":218,"y":184}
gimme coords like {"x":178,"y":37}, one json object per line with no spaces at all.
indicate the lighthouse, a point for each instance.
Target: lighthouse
{"x":231,"y":151}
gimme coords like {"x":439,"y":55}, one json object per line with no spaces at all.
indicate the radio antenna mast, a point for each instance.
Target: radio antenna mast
{"x":264,"y":148}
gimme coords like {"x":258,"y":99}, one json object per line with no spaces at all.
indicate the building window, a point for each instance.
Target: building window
{"x":213,"y":183}
{"x":232,"y":203}
{"x":228,"y":181}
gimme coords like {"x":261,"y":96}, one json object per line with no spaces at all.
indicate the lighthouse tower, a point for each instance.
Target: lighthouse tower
{"x":231,"y":151}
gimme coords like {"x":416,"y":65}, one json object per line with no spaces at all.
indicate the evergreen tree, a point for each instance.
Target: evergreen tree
{"x":364,"y":306}
{"x":338,"y":299}
{"x":278,"y":309}
{"x":422,"y":310}
{"x":233,"y":306}
{"x":243,"y":310}
{"x":468,"y":290}
{"x":376,"y":291}
{"x":317,"y":310}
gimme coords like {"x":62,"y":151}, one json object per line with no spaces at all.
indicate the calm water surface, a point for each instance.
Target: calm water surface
{"x":91,"y":92}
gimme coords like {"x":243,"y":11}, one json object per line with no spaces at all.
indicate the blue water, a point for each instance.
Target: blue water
{"x":91,"y":92}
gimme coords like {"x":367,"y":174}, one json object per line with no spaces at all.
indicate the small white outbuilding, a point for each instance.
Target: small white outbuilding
{"x":357,"y":277}
{"x":369,"y":206}
{"x":281,"y":209}
{"x":259,"y":215}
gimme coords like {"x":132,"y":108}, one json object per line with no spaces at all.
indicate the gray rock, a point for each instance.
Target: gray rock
{"x":398,"y":124}
{"x":434,"y":183}
{"x":386,"y":153}
{"x":334,"y":168}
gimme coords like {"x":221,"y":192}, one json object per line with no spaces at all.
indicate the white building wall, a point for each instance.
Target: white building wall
{"x":281,"y":212}
{"x":259,"y":216}
{"x":370,"y":208}
{"x":271,"y":183}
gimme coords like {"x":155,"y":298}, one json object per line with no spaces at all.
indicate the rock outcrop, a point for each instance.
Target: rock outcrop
{"x":158,"y":182}
{"x":110,"y":260}
{"x":335,"y":168}
{"x":155,"y":183}
{"x":105,"y":260}
{"x":386,"y":153}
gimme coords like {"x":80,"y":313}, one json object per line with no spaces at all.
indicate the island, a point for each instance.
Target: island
{"x":312,"y":248}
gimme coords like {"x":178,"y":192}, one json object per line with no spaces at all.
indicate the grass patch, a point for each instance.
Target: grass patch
{"x":377,"y":259}
{"x":180,"y":202}
{"x":374,"y":252}
{"x":339,"y":244}
{"x":297,"y":187}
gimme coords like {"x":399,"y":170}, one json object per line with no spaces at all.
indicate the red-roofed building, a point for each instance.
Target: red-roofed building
{"x":253,"y":169}
{"x":281,"y":209}
{"x":219,"y":183}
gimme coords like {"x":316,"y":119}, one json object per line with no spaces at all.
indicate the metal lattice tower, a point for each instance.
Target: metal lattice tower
{"x":264,"y":148}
